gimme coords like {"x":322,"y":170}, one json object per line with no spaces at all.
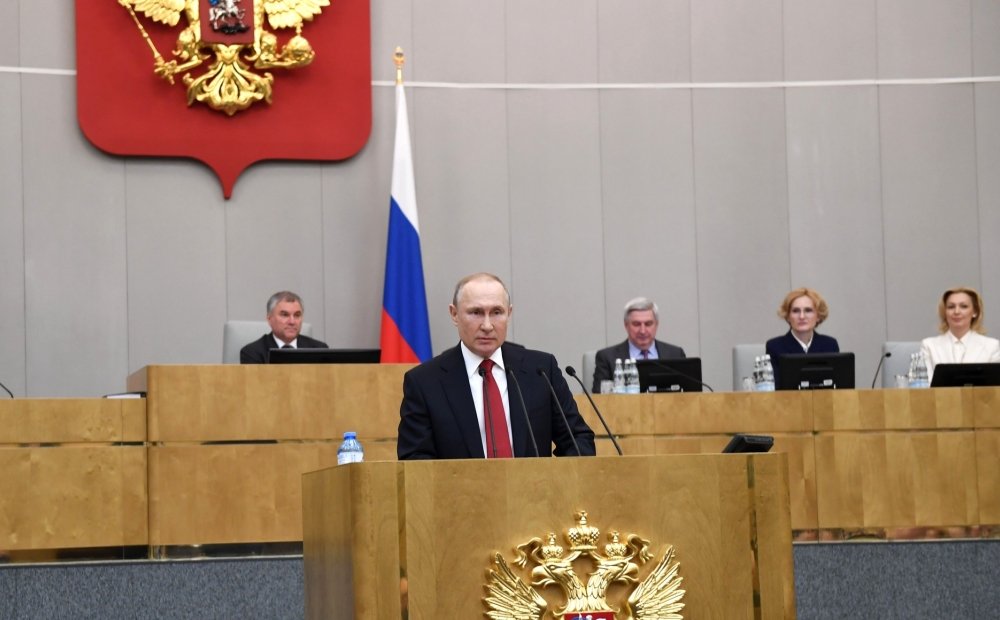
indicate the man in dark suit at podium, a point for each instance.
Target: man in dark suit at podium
{"x":465,"y":403}
{"x":284,"y":315}
{"x":642,"y":318}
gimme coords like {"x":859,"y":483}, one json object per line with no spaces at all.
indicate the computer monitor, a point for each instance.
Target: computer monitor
{"x":816,"y":371}
{"x":669,"y":375}
{"x":961,"y":375}
{"x":741,"y":444}
{"x":324,"y":356}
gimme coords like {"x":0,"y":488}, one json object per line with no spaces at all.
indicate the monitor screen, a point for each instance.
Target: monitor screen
{"x":961,"y":375}
{"x":816,"y":371}
{"x":324,"y":356}
{"x":669,"y":375}
{"x":741,"y":444}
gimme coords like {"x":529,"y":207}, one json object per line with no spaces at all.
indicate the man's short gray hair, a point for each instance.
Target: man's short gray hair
{"x":281,"y":296}
{"x":641,"y":304}
{"x":482,"y":275}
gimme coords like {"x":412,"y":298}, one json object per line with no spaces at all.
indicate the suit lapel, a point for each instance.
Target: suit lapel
{"x":455,"y":384}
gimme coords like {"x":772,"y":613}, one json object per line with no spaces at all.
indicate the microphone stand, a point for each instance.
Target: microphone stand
{"x":572,"y":372}
{"x":569,"y":429}
{"x":524,"y":408}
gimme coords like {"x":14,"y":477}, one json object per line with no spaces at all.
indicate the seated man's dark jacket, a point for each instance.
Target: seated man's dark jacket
{"x":604,"y":363}
{"x":256,"y":352}
{"x":788,"y":345}
{"x":438,"y":417}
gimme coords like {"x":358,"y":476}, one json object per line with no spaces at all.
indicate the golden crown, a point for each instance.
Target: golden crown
{"x":583,"y":537}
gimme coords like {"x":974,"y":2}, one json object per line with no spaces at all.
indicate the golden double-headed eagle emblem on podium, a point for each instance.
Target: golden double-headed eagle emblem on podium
{"x":657,"y":597}
{"x":231,"y":38}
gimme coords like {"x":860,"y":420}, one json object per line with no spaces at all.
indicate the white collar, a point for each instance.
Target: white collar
{"x":473,"y":360}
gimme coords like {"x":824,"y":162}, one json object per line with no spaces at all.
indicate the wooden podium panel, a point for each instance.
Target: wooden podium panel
{"x":988,"y":466}
{"x":694,"y":413}
{"x":439,"y":522}
{"x":261,"y":402}
{"x":67,"y":481}
{"x":895,"y":480}
{"x":694,"y":423}
{"x":55,"y":498}
{"x":893,"y":409}
{"x":211,"y":494}
{"x":72,"y":420}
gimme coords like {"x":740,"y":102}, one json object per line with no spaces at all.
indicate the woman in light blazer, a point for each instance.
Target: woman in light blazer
{"x":961,"y":341}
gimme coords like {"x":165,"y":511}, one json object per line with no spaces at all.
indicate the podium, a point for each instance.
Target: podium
{"x":417,"y":539}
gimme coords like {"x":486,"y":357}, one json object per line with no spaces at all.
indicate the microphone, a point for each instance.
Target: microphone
{"x":572,"y":372}
{"x":524,"y":408}
{"x":879,"y":367}
{"x":6,"y":390}
{"x":489,"y":414}
{"x":569,"y":429}
{"x":674,"y":371}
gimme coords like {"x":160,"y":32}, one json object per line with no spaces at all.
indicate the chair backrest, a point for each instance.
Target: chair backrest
{"x":743,"y":356}
{"x":237,"y":334}
{"x":899,"y":363}
{"x":589,"y":363}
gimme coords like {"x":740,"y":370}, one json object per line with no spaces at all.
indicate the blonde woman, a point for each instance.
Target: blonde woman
{"x":961,"y":341}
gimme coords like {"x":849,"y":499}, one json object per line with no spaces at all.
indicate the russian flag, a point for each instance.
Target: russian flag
{"x":406,"y":332}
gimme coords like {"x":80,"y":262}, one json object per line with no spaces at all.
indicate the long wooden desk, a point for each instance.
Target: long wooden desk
{"x":223,"y":448}
{"x":876,"y":462}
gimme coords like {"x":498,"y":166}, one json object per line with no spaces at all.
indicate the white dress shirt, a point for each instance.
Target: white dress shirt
{"x":472,"y":362}
{"x":973,"y":348}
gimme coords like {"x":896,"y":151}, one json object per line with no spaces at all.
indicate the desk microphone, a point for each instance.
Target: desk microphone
{"x":674,"y":371}
{"x":569,"y":429}
{"x":524,"y":408}
{"x":572,"y":372}
{"x":879,"y":367}
{"x":489,"y":414}
{"x":6,"y":390}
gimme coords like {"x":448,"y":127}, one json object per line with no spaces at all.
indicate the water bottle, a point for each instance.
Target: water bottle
{"x":619,"y":377}
{"x":919,"y":378}
{"x":631,"y":377}
{"x":350,"y":451}
{"x":766,"y":374}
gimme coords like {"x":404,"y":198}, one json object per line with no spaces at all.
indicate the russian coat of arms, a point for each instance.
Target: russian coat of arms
{"x":657,"y":597}
{"x":232,"y":41}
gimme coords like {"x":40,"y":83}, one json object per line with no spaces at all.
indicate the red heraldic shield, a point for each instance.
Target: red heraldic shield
{"x":321,"y":111}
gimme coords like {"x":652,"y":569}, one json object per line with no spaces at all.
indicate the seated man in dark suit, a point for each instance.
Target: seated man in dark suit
{"x":284,"y":315}
{"x":458,"y":405}
{"x":803,"y":309}
{"x":642,"y":317}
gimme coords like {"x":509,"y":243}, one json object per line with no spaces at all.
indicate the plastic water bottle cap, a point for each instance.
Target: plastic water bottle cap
{"x":351,"y":435}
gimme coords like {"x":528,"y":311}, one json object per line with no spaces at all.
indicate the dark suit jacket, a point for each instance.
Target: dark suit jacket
{"x":256,"y":352}
{"x":437,"y":418}
{"x":604,"y":364}
{"x":788,"y":345}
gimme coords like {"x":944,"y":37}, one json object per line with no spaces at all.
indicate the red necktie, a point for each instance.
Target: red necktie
{"x":495,"y":416}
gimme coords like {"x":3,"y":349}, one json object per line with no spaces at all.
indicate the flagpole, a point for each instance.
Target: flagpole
{"x":405,"y":329}
{"x":399,"y":58}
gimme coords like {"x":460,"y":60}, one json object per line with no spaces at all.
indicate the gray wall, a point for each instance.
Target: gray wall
{"x":711,"y":199}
